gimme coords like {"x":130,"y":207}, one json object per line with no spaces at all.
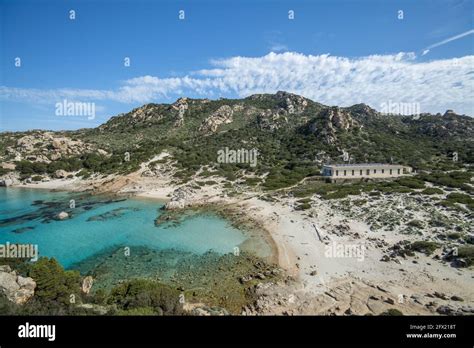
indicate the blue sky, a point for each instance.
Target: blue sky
{"x":335,"y":52}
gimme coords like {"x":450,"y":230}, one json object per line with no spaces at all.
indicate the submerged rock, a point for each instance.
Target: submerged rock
{"x":63,"y":215}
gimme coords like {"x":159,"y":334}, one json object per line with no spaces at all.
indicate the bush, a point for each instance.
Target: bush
{"x":411,"y":183}
{"x":53,"y":283}
{"x":467,"y":253}
{"x":453,"y":235}
{"x":139,"y":294}
{"x":432,"y":191}
{"x":424,"y":247}
{"x":37,"y":178}
{"x":416,"y":223}
{"x":304,"y":206}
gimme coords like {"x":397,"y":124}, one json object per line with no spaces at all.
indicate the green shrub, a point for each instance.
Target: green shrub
{"x":424,"y":247}
{"x":432,"y":191}
{"x":416,"y":223}
{"x":304,"y":206}
{"x":411,"y":183}
{"x":467,"y":253}
{"x":53,"y":283}
{"x":139,"y":294}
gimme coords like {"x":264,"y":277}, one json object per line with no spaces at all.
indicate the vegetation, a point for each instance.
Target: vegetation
{"x":425,"y":247}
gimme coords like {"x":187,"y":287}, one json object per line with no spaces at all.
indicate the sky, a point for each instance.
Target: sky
{"x":336,"y":52}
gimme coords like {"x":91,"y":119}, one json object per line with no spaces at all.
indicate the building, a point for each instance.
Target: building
{"x":337,"y":172}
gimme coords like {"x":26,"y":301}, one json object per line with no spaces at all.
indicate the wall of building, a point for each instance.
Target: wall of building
{"x":358,"y":172}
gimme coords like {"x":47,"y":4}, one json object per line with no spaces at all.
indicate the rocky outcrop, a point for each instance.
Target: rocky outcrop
{"x":209,"y":311}
{"x":87,"y":284}
{"x":292,"y":103}
{"x":223,"y":115}
{"x":270,"y":120}
{"x":181,"y":105}
{"x":8,"y":180}
{"x":180,"y":198}
{"x":331,"y":121}
{"x":46,"y":147}
{"x":16,"y":288}
{"x":60,"y":174}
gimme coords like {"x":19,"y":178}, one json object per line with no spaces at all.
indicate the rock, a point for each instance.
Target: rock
{"x":6,"y":182}
{"x":440,"y":295}
{"x":313,"y":273}
{"x":445,"y":310}
{"x":63,"y":215}
{"x":5,"y":268}
{"x":100,"y":310}
{"x":60,"y":174}
{"x":390,"y":301}
{"x":26,"y":282}
{"x":22,"y":295}
{"x":87,"y":284}
{"x":208,"y":311}
{"x":17,"y":289}
{"x":245,"y":279}
{"x":460,"y":263}
{"x":223,"y":115}
{"x":457,"y":298}
{"x":181,"y":105}
{"x":8,"y":282}
{"x":179,"y":198}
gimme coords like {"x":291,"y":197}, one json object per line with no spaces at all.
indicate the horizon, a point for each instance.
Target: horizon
{"x":361,"y":52}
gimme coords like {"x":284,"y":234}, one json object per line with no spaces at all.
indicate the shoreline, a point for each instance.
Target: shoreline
{"x":326,"y":285}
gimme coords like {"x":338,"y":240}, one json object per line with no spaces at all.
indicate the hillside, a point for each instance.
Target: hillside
{"x":293,"y":136}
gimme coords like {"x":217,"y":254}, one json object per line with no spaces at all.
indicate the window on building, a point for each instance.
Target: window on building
{"x":353,"y":172}
{"x":345,"y":173}
{"x":337,"y":172}
{"x":398,"y":171}
{"x":383,"y":170}
{"x":368,"y":171}
{"x":390,"y":171}
{"x":375,"y":171}
{"x":361,"y":172}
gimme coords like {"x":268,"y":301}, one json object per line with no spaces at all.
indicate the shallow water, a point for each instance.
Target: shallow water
{"x":99,"y":223}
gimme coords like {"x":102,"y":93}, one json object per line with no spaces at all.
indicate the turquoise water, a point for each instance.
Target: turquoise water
{"x":97,"y":223}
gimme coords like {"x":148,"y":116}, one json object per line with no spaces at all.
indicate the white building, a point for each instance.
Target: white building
{"x":337,"y":172}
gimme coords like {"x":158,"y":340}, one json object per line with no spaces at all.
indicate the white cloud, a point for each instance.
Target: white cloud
{"x":436,"y":85}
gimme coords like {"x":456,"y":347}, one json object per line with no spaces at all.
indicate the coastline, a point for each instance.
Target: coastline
{"x":326,"y":285}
